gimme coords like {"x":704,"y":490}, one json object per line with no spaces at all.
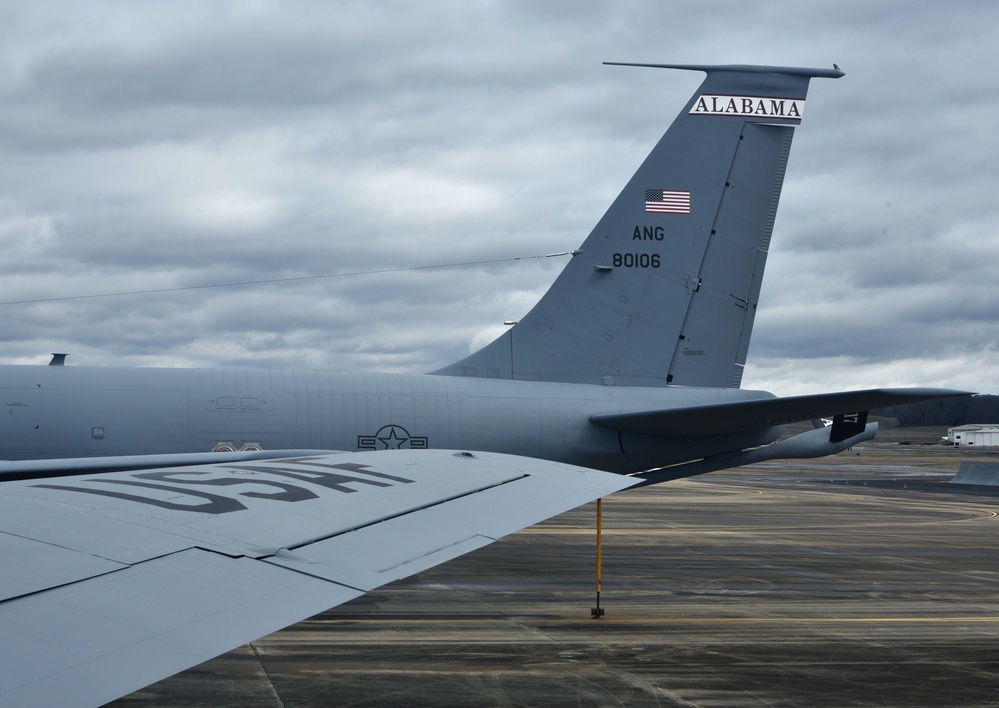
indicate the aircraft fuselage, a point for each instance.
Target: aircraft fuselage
{"x":61,"y":412}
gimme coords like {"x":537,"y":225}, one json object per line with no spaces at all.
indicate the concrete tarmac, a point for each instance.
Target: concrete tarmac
{"x":857,"y":580}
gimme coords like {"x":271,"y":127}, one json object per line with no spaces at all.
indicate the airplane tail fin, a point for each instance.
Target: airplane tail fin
{"x":664,"y":289}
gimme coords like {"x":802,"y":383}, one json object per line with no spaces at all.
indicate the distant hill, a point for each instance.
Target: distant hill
{"x":945,"y":411}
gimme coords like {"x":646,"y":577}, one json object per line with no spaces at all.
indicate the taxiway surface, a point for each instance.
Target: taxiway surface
{"x":857,"y":580}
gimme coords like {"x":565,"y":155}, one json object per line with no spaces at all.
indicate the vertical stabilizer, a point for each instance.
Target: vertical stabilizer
{"x":664,"y":289}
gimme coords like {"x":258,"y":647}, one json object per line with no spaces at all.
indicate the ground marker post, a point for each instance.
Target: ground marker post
{"x":598,"y":611}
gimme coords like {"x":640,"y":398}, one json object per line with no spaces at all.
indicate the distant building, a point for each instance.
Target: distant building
{"x":982,"y":435}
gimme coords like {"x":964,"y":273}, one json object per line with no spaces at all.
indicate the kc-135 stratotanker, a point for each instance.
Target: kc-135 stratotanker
{"x":153,"y":518}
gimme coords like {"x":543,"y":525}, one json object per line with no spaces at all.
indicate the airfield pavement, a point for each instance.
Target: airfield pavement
{"x":861,"y":579}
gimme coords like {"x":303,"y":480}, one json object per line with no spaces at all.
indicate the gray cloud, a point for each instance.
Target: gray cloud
{"x":160,"y":145}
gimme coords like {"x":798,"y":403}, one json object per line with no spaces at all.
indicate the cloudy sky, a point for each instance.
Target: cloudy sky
{"x":165,"y":145}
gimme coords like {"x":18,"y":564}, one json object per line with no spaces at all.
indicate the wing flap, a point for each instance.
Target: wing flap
{"x":223,"y":554}
{"x":737,"y":416}
{"x":29,"y":566}
{"x":93,"y":641}
{"x":427,"y":537}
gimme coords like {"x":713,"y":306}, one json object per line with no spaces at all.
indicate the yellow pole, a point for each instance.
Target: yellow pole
{"x":598,"y":611}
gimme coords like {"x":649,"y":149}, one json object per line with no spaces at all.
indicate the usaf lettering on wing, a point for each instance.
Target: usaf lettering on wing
{"x":240,"y":474}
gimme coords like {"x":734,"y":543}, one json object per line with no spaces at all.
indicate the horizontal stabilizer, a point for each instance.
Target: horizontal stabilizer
{"x":983,"y":474}
{"x":741,"y":69}
{"x":722,"y":418}
{"x":814,"y":443}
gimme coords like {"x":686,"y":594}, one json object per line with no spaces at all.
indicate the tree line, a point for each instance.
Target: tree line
{"x":951,"y":412}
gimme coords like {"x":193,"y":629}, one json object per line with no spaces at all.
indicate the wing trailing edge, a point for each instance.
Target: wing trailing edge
{"x":11,"y":470}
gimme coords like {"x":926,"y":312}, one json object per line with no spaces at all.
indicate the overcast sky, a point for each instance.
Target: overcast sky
{"x":160,"y":145}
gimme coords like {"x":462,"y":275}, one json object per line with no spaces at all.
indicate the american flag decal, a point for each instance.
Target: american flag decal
{"x":667,"y":201}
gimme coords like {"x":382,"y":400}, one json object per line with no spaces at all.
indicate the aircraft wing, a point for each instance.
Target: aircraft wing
{"x":735,"y":416}
{"x":111,"y":582}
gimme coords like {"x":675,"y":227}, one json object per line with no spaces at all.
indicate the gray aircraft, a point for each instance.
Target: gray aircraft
{"x":153,"y":518}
